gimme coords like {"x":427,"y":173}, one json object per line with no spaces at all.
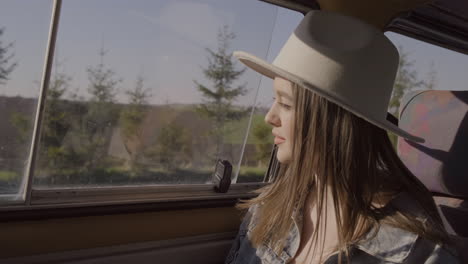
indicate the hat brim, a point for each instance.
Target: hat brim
{"x":271,"y":71}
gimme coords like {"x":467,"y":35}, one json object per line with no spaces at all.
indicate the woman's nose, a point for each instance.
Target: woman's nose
{"x":271,"y":118}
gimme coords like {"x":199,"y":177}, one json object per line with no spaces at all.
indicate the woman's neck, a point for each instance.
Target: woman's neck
{"x":311,"y":248}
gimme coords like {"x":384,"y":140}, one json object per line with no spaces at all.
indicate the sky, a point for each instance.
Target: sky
{"x":165,"y":42}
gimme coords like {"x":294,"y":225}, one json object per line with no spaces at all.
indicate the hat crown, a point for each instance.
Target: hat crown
{"x":349,"y":60}
{"x":334,"y":31}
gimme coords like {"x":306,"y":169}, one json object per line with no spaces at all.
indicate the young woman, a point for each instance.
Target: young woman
{"x":342,"y":195}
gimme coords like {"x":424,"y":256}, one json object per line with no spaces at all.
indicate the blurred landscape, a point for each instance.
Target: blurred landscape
{"x":173,"y":145}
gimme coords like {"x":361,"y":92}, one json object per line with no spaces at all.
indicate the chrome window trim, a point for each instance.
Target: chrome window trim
{"x":48,"y":61}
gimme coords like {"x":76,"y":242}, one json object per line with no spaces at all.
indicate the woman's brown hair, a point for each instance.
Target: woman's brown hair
{"x":337,"y":154}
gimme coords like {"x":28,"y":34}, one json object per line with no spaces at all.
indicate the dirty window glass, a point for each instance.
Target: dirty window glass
{"x":147,"y":92}
{"x":24,"y":30}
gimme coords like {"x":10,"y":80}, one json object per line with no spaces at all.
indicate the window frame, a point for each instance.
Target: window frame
{"x":73,"y":202}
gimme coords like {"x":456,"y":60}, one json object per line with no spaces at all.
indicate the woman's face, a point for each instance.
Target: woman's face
{"x":281,"y":117}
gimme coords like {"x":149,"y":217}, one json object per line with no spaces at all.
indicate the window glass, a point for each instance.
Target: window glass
{"x":24,"y":27}
{"x":260,"y":140}
{"x":146,"y":92}
{"x":425,"y":66}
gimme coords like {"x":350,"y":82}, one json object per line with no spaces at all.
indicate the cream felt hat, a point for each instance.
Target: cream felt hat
{"x":341,"y":58}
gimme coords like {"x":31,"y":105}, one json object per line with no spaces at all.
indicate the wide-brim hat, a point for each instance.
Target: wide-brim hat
{"x":343,"y":59}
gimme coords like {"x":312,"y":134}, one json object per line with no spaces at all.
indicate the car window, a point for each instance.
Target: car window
{"x":143,"y":92}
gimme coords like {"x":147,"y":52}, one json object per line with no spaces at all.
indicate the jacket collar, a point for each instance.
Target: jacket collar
{"x":391,"y":243}
{"x":388,"y":243}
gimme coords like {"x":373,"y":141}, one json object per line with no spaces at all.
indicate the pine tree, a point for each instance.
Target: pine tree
{"x":6,"y":66}
{"x":406,"y":80}
{"x":220,"y":97}
{"x":56,"y":123}
{"x":431,"y":82}
{"x":264,"y":142}
{"x":22,"y":124}
{"x":102,"y":114}
{"x":173,"y":147}
{"x":131,"y":118}
{"x":20,"y":148}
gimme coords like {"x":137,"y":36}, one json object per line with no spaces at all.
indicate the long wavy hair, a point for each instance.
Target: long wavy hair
{"x":339,"y":155}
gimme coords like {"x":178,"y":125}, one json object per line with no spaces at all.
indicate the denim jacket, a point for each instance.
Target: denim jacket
{"x":388,"y":245}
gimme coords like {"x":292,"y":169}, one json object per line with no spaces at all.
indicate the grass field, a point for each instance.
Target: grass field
{"x":8,"y":175}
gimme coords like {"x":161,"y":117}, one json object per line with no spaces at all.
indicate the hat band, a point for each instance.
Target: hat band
{"x":335,"y":77}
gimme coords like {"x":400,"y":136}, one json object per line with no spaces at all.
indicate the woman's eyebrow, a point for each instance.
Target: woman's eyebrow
{"x":285,"y":95}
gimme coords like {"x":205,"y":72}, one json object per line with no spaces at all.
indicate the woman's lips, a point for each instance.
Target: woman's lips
{"x":279,"y":140}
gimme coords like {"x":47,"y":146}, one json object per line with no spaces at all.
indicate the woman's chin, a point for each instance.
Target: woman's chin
{"x":283,"y":158}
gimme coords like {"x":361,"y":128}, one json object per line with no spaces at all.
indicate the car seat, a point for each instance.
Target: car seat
{"x":441,"y":162}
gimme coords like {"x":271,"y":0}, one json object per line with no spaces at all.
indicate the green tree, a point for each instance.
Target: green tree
{"x":406,"y":80}
{"x":263,"y":142}
{"x":6,"y":66}
{"x":131,"y":118}
{"x":56,"y":124}
{"x":431,"y":82}
{"x":172,"y":148}
{"x":219,"y":98}
{"x":22,"y":123}
{"x":102,"y":114}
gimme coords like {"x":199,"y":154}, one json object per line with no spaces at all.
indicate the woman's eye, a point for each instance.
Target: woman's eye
{"x":285,"y":106}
